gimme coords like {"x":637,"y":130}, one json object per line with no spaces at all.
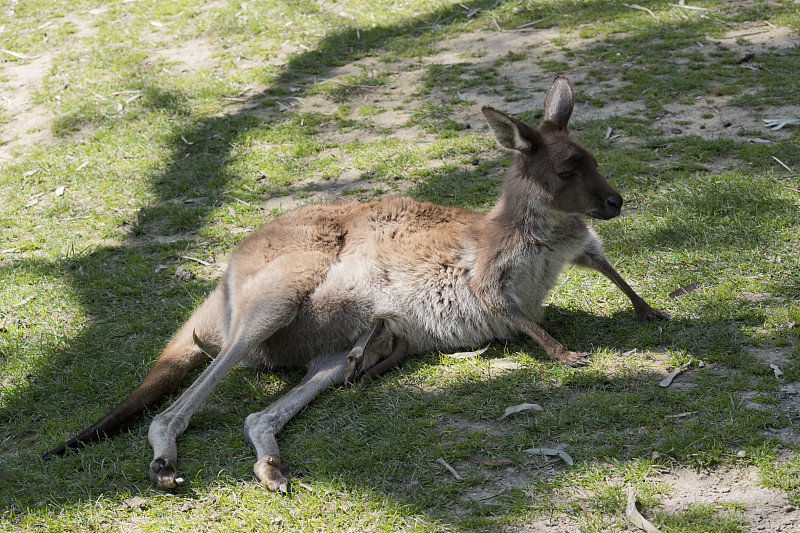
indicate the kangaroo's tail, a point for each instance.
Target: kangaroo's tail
{"x":184,"y":353}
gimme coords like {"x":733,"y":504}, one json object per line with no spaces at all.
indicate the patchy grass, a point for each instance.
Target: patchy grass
{"x":140,"y":137}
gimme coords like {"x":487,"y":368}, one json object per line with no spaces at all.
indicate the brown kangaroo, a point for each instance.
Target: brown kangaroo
{"x":351,"y":287}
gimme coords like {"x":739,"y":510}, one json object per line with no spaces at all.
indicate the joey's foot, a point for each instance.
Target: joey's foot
{"x":268,"y":470}
{"x":652,"y":313}
{"x":163,"y":474}
{"x":565,"y":357}
{"x":353,"y":364}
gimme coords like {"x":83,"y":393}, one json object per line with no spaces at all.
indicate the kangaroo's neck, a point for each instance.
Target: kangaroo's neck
{"x":522,"y":211}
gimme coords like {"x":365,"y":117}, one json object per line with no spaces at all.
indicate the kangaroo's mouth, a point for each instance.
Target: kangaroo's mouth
{"x":604,"y":213}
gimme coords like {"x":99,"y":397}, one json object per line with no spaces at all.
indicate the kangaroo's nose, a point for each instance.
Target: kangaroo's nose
{"x":614,"y":202}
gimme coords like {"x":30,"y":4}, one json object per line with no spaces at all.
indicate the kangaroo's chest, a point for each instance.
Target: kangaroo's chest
{"x":537,"y":271}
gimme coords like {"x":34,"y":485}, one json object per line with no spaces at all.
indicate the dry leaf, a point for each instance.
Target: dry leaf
{"x":521,"y":407}
{"x":667,"y":380}
{"x":15,"y":54}
{"x":683,"y":290}
{"x":552,"y":452}
{"x":635,"y":518}
{"x":504,"y":365}
{"x":136,"y":502}
{"x":464,"y":355}
{"x":778,"y":123}
{"x":776,"y":370}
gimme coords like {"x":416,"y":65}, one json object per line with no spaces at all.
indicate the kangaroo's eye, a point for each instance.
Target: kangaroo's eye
{"x":566,"y":175}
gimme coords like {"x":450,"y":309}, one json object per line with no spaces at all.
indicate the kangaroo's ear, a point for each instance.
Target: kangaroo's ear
{"x":510,"y":132}
{"x":559,"y":102}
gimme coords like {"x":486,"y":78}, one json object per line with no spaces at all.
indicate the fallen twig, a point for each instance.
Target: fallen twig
{"x":15,"y":54}
{"x":782,"y":163}
{"x":196,"y":260}
{"x":777,"y":123}
{"x":450,"y":469}
{"x":529,"y":24}
{"x":682,"y":415}
{"x":640,"y":8}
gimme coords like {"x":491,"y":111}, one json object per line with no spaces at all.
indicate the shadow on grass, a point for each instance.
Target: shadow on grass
{"x":135,"y":311}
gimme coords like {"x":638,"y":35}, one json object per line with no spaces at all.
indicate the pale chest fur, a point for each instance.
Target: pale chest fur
{"x":425,"y":293}
{"x":538,"y":268}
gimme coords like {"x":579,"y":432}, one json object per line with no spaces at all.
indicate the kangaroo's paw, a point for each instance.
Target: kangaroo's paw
{"x":268,"y":470}
{"x":568,"y":358}
{"x":163,"y":474}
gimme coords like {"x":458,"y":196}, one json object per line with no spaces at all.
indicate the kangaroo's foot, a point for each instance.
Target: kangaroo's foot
{"x":646,"y":312}
{"x":268,"y":470}
{"x":163,"y":473}
{"x":567,"y":358}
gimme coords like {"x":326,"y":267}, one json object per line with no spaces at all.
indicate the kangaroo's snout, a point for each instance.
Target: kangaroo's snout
{"x":610,"y":208}
{"x":614,"y":204}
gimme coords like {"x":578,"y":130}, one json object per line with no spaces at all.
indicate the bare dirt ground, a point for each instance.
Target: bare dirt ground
{"x":765,"y":509}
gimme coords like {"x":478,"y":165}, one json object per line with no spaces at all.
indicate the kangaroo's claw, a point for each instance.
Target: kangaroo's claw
{"x":163,"y":474}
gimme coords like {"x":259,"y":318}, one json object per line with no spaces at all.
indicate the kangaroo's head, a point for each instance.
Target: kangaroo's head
{"x":552,"y":168}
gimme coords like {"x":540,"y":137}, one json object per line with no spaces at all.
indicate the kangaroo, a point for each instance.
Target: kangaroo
{"x":349,"y":287}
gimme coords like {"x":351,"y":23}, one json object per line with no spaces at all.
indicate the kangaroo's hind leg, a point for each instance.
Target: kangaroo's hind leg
{"x":261,"y":428}
{"x":324,"y":371}
{"x":259,"y":305}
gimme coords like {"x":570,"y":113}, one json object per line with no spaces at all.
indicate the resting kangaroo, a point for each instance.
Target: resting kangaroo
{"x":352,"y":287}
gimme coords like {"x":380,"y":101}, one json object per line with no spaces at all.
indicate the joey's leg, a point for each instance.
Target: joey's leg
{"x":269,"y":301}
{"x":395,"y":358}
{"x":594,"y":258}
{"x":356,"y":355}
{"x":261,"y":428}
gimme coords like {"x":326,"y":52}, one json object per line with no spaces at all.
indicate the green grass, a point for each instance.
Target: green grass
{"x":173,"y":123}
